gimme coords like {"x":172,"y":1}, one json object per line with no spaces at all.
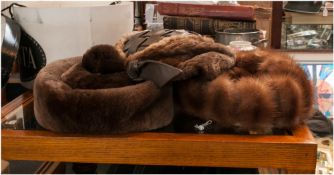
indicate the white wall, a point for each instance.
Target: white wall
{"x":68,"y":29}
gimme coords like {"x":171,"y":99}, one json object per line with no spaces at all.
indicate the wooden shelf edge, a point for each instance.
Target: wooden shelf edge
{"x":303,"y":132}
{"x":161,"y":149}
{"x":300,"y":138}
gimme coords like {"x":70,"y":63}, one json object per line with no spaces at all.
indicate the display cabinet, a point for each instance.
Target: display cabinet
{"x":305,"y":32}
{"x":307,"y":36}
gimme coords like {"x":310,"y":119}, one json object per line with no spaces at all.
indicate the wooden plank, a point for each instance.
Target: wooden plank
{"x":162,"y":149}
{"x":276,"y":24}
{"x":304,"y":133}
{"x":297,"y":152}
{"x":23,"y":99}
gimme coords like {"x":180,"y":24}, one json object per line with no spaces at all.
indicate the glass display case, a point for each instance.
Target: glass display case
{"x":302,"y":30}
{"x":307,"y":36}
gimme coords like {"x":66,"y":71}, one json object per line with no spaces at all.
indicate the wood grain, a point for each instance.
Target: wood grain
{"x":162,"y":149}
{"x":296,"y":153}
{"x":304,"y":133}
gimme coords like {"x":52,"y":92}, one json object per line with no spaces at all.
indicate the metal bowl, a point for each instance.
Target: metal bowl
{"x":228,"y":35}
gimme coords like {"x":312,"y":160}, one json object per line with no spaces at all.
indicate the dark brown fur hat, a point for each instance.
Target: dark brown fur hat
{"x":103,"y":59}
{"x":264,"y":90}
{"x":68,"y":98}
{"x":257,"y":90}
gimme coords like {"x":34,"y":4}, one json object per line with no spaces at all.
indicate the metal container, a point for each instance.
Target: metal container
{"x":228,"y":35}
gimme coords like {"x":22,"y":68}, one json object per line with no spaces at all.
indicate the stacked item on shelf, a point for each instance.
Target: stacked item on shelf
{"x":206,"y":19}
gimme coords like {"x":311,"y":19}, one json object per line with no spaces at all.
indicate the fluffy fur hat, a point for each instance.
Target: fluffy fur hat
{"x":93,"y":93}
{"x":249,"y":91}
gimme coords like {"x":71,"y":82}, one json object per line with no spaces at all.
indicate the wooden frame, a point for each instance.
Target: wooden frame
{"x":276,"y":25}
{"x":295,"y":153}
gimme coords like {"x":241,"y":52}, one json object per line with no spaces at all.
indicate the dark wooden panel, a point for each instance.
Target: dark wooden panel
{"x":276,"y":25}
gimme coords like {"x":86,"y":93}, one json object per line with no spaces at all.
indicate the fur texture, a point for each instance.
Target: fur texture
{"x":195,"y":55}
{"x":258,"y":90}
{"x":264,"y":90}
{"x":68,"y":98}
{"x":102,"y":59}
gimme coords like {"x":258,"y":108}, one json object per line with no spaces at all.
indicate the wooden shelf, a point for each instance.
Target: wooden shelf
{"x":289,"y":152}
{"x":296,"y":152}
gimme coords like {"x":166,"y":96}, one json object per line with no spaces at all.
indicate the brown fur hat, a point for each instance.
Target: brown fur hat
{"x":68,"y":98}
{"x":93,"y":94}
{"x":262,"y":91}
{"x":256,"y":90}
